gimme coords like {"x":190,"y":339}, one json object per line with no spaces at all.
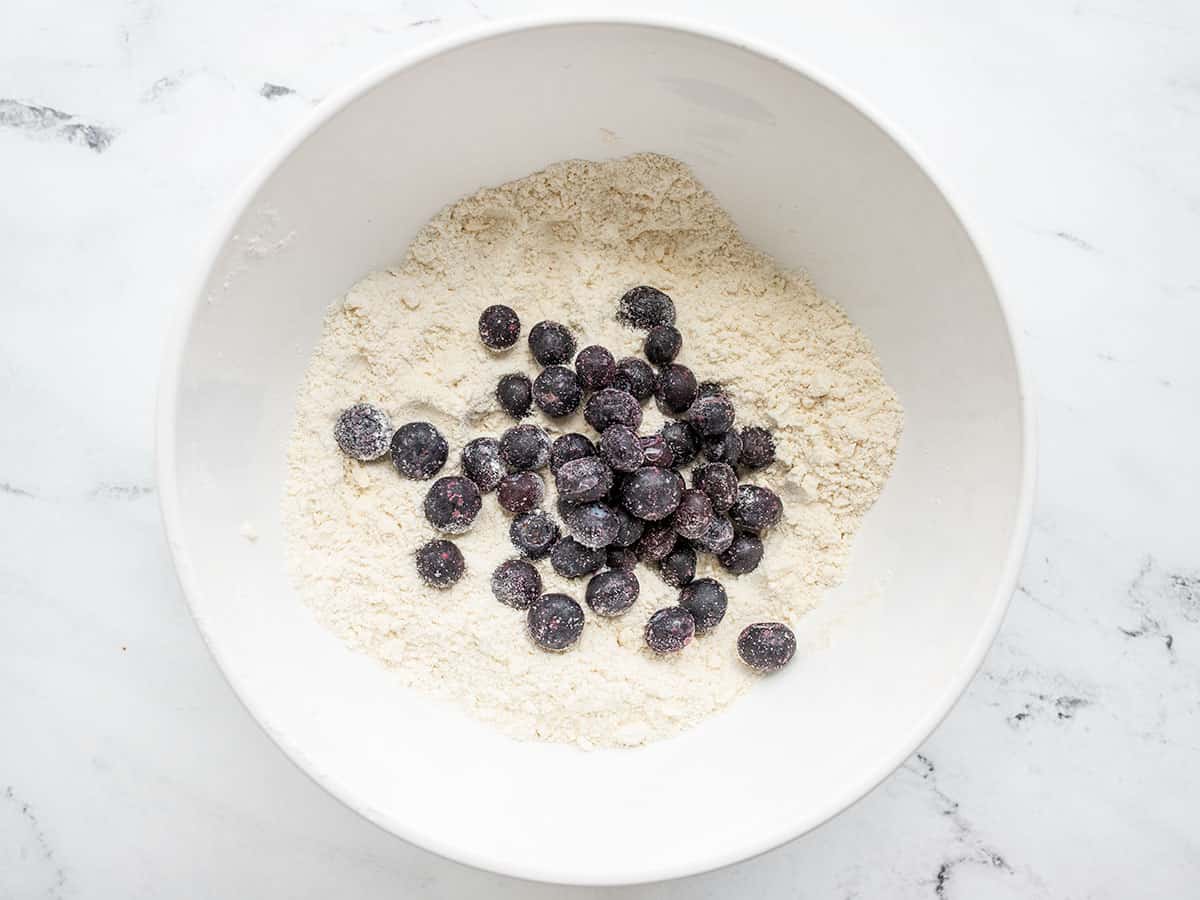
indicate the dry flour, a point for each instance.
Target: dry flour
{"x":564,"y":244}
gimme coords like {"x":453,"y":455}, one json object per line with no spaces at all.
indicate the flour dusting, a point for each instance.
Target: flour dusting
{"x":565,"y":244}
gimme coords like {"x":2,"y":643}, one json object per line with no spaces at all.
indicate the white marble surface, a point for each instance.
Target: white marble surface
{"x":1072,"y":767}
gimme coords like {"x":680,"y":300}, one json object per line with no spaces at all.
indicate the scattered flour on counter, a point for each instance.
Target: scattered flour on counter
{"x":565,"y":244}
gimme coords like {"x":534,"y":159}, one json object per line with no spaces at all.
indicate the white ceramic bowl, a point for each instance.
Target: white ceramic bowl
{"x":810,"y":178}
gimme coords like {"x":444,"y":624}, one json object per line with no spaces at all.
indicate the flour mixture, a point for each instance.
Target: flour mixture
{"x":565,"y":245}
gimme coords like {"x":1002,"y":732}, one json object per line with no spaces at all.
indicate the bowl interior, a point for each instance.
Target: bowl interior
{"x":810,"y":180}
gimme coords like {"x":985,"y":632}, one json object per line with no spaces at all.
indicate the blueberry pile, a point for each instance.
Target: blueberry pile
{"x":622,"y":496}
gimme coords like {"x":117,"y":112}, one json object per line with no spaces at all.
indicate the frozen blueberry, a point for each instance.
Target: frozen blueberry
{"x":440,"y":563}
{"x":556,"y":391}
{"x":683,"y":441}
{"x":758,"y":447}
{"x":499,"y":327}
{"x":613,"y":592}
{"x":656,"y":451}
{"x":621,"y":558}
{"x":363,"y":432}
{"x":568,"y":447}
{"x":663,"y":344}
{"x":516,"y":583}
{"x":693,"y":515}
{"x":710,"y":389}
{"x":676,"y":387}
{"x":705,"y":599}
{"x":743,"y":555}
{"x":719,"y":481}
{"x":525,"y":447}
{"x":555,"y":622}
{"x":756,"y":508}
{"x":621,"y":449}
{"x":644,"y":307}
{"x":717,"y":536}
{"x":630,"y":529}
{"x":766,"y":646}
{"x":596,"y":367}
{"x":533,"y":533}
{"x":711,"y":415}
{"x":726,"y":448}
{"x":418,"y":450}
{"x":656,"y":542}
{"x":609,"y":407}
{"x":583,"y":479}
{"x":670,"y":629}
{"x":651,"y":494}
{"x":634,"y":376}
{"x":678,"y":567}
{"x":521,"y":491}
{"x":452,"y":504}
{"x":482,"y":464}
{"x":515,"y":394}
{"x":594,"y":525}
{"x":551,"y":343}
{"x":571,"y":559}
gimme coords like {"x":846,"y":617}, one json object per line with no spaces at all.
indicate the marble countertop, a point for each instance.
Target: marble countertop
{"x":1071,"y":769}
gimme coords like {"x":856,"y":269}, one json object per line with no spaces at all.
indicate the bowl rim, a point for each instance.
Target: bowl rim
{"x":626,"y":872}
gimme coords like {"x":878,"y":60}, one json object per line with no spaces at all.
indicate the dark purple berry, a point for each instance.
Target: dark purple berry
{"x":644,"y":307}
{"x":594,"y":525}
{"x":743,"y":555}
{"x":596,"y":367}
{"x":452,"y":504}
{"x":556,"y":391}
{"x":758,"y":447}
{"x":711,"y":415}
{"x":766,"y":646}
{"x":683,"y":441}
{"x":621,"y":558}
{"x":583,"y":479}
{"x":363,"y":432}
{"x":756,"y":508}
{"x":499,"y":327}
{"x":678,"y":567}
{"x":568,"y":447}
{"x":515,"y":394}
{"x":663,"y":344}
{"x":571,"y":559}
{"x":710,"y":389}
{"x":634,"y":376}
{"x":551,"y":343}
{"x":516,"y":583}
{"x":418,"y":450}
{"x":717,"y":536}
{"x":555,"y":622}
{"x":693,"y":515}
{"x":670,"y":629}
{"x":440,"y":563}
{"x":651,"y":494}
{"x":656,"y":451}
{"x":521,"y":491}
{"x":533,"y":534}
{"x":719,"y":481}
{"x":705,"y":599}
{"x":630,"y":529}
{"x":676,"y":387}
{"x":726,"y":448}
{"x":482,"y":464}
{"x":613,"y":592}
{"x":525,"y":447}
{"x":609,"y":407}
{"x":656,"y":542}
{"x":621,"y":449}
